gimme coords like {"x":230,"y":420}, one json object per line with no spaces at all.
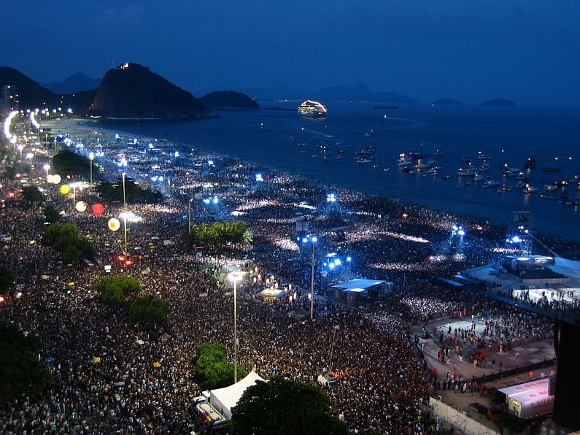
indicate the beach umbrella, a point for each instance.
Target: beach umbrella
{"x":114,"y":224}
{"x":97,"y":359}
{"x":156,"y":364}
{"x":81,"y":206}
{"x":98,"y":209}
{"x":64,"y":189}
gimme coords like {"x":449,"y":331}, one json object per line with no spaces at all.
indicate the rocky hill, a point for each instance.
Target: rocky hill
{"x":133,"y":92}
{"x":228,"y":100}
{"x":499,"y":102}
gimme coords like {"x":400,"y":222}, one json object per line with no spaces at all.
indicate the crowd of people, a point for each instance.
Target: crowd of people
{"x":110,"y":375}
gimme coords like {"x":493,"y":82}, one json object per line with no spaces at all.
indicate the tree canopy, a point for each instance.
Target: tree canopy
{"x":22,"y":373}
{"x":65,"y":238}
{"x":122,"y":292}
{"x":134,"y":194}
{"x":219,"y":235}
{"x":117,"y":290}
{"x":213,"y":367}
{"x":32,"y":194}
{"x":149,"y":309}
{"x":282,"y":407}
{"x":7,"y":279}
{"x":70,"y":164}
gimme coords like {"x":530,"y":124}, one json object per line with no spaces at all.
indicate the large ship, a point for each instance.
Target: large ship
{"x":311,"y":108}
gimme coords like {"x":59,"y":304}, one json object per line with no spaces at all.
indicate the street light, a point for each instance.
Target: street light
{"x":189,"y":216}
{"x":235,"y":277}
{"x":312,"y":240}
{"x":91,"y":157}
{"x":126,"y":215}
{"x":124,"y":195}
{"x":46,"y":168}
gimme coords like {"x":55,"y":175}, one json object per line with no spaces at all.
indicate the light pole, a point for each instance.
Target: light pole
{"x":124,"y":195}
{"x":126,"y":215}
{"x":91,"y":157}
{"x":235,"y":277}
{"x":312,"y":240}
{"x":46,"y":168}
{"x":189,"y":216}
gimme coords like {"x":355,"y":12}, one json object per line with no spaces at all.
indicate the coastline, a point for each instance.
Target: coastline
{"x":94,"y":130}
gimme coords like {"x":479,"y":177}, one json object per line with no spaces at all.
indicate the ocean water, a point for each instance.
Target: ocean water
{"x":324,"y":148}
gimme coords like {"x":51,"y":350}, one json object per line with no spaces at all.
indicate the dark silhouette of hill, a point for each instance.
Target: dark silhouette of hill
{"x":30,"y":93}
{"x":78,"y":82}
{"x":132,"y":91}
{"x":442,"y":101}
{"x":359,"y":93}
{"x":228,"y":100}
{"x":499,"y":102}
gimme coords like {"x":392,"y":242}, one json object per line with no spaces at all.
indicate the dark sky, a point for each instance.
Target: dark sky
{"x":471,"y":51}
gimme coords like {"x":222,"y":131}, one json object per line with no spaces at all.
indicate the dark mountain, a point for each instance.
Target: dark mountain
{"x":30,"y":93}
{"x":442,"y":101}
{"x":393,"y":97}
{"x":340,"y":92}
{"x":228,"y":100}
{"x":132,"y":91}
{"x":78,"y":82}
{"x":277,"y":93}
{"x":499,"y":102}
{"x":331,"y":93}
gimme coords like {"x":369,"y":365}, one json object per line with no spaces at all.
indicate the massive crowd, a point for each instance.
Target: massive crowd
{"x":111,"y":375}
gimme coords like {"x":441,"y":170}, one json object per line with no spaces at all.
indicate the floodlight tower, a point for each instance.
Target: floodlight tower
{"x":519,"y":232}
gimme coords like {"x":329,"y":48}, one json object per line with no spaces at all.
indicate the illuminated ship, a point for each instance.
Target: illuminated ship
{"x":311,"y":108}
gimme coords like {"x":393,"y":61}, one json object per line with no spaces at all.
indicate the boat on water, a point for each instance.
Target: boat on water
{"x":467,"y":172}
{"x":311,"y":108}
{"x":490,"y":183}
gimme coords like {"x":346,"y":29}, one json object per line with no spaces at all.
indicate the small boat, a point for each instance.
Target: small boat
{"x":484,"y":167}
{"x":467,"y":172}
{"x":490,"y":183}
{"x":530,"y":163}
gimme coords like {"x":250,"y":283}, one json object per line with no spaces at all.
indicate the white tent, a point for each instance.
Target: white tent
{"x":359,"y":290}
{"x":224,"y":399}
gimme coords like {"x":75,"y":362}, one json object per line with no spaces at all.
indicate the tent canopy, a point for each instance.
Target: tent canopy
{"x":224,"y":399}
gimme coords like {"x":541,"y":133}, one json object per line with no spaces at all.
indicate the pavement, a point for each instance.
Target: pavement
{"x":528,"y":353}
{"x":512,"y":361}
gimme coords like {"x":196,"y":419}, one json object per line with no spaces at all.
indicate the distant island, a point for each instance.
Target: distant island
{"x":442,"y":101}
{"x":227,"y":100}
{"x":499,"y":102}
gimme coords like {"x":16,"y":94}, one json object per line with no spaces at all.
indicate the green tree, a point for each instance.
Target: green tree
{"x":7,"y":280}
{"x":116,"y":290}
{"x":32,"y":194}
{"x":51,"y":214}
{"x":22,"y":373}
{"x":149,"y":309}
{"x":213,"y":367}
{"x":264,"y":409}
{"x":65,"y":239}
{"x":67,"y":163}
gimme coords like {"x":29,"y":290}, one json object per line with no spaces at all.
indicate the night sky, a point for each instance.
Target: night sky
{"x":471,"y":51}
